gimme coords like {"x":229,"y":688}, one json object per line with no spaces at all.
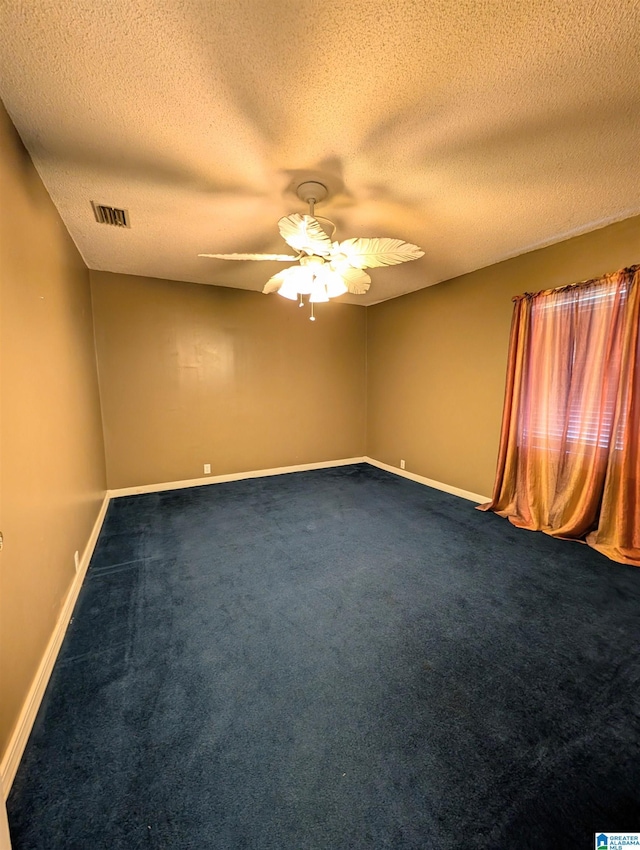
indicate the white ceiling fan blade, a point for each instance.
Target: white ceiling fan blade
{"x":281,"y":258}
{"x":304,"y":233}
{"x":370,"y":253}
{"x":356,"y":281}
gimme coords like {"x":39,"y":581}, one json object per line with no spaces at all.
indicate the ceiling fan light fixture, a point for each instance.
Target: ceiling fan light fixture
{"x":304,"y":277}
{"x":318,"y":294}
{"x":327,"y":269}
{"x":335,"y":285}
{"x":289,"y":289}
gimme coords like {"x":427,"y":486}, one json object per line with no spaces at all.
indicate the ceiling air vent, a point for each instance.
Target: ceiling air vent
{"x":110,"y":215}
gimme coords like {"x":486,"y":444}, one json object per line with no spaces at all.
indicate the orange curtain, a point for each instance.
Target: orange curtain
{"x":569,"y":458}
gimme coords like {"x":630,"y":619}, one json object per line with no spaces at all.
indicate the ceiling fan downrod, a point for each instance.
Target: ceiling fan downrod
{"x":312,"y":192}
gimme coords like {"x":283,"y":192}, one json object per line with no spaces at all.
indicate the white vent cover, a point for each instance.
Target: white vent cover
{"x":110,"y":215}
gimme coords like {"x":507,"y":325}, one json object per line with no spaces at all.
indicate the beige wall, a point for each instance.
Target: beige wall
{"x":193,"y":374}
{"x":52,"y":471}
{"x":437,"y":357}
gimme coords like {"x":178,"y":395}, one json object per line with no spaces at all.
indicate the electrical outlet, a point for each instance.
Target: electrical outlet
{"x":402,"y":464}
{"x":76,"y":559}
{"x":207,"y":469}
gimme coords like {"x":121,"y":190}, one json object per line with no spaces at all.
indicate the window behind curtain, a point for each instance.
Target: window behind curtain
{"x":577,"y":331}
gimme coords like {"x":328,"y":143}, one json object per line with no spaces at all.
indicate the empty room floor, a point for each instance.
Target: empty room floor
{"x":336,"y":659}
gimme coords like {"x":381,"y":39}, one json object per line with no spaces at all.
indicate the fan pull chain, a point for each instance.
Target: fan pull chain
{"x":312,"y":318}
{"x":301,"y":304}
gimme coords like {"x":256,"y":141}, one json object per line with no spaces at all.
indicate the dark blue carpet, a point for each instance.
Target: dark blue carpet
{"x":330,"y":660}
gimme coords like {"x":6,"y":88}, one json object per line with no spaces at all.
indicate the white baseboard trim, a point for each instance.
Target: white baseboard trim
{"x":5,"y":840}
{"x":233,"y":476}
{"x":429,"y":482}
{"x":26,"y":719}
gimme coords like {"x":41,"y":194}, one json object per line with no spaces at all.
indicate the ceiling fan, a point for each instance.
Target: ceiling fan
{"x":325,"y":268}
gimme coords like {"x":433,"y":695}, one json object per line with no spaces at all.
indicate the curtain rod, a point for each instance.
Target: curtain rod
{"x":630,"y":270}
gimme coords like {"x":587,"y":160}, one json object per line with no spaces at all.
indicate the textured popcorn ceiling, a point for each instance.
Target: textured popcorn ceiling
{"x":477,"y":130}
